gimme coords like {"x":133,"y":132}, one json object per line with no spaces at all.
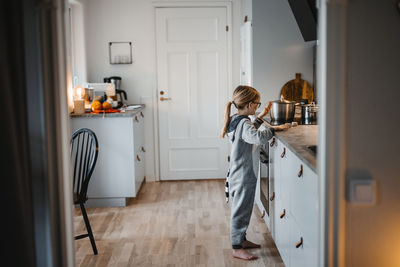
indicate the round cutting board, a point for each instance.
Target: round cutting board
{"x":297,"y":89}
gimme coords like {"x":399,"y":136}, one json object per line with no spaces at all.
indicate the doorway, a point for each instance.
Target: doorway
{"x":192,"y":69}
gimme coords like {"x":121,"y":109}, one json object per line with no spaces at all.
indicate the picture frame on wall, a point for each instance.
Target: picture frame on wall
{"x":120,"y":52}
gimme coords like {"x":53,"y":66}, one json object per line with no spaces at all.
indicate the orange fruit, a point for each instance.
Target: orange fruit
{"x":107,"y":105}
{"x":96,"y":105}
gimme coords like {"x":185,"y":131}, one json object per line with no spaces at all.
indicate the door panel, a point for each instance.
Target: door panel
{"x":193,"y":77}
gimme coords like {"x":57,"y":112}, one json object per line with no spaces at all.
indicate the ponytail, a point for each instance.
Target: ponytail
{"x":227,"y":117}
{"x":242,"y":96}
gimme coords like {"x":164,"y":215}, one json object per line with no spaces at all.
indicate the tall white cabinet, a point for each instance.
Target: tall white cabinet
{"x":120,"y":168}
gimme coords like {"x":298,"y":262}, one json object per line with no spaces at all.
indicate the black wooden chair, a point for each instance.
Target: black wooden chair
{"x":84,"y":152}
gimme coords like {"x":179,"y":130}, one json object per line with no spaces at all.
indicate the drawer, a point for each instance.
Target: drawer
{"x":303,"y":250}
{"x":304,"y":197}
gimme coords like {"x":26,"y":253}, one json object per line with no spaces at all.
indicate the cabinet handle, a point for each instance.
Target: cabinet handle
{"x":272,"y":197}
{"x":272,"y":142}
{"x":141,"y":114}
{"x":263,"y":214}
{"x":144,"y":150}
{"x":136,"y":119}
{"x":300,"y":173}
{"x":137,"y":157}
{"x":283,"y":214}
{"x":283,"y":152}
{"x":300,"y":243}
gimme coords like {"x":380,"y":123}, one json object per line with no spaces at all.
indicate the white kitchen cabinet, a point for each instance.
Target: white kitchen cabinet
{"x":120,"y":167}
{"x":294,"y":208}
{"x":302,"y":250}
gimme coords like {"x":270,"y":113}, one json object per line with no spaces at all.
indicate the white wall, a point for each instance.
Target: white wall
{"x":372,"y":131}
{"x":279,"y":49}
{"x":133,"y":20}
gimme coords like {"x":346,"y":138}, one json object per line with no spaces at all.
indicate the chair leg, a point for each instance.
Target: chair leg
{"x":89,"y":229}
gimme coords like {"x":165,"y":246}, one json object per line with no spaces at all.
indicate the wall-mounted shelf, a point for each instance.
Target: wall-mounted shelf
{"x":120,"y":53}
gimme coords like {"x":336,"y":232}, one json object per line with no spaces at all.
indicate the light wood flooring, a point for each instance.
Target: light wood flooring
{"x":182,"y":223}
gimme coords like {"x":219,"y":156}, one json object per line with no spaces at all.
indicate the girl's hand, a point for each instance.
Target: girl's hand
{"x":265,"y":111}
{"x":281,"y":127}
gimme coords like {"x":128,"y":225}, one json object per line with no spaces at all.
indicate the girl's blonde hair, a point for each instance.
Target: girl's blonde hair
{"x":242,"y":96}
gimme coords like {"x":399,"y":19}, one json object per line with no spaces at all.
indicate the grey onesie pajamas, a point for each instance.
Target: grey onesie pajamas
{"x":242,"y":181}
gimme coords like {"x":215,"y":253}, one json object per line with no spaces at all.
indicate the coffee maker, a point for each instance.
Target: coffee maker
{"x":120,"y":94}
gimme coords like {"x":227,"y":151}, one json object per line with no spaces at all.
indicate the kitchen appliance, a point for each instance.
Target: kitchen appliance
{"x":120,"y":94}
{"x":309,"y":114}
{"x":282,"y":112}
{"x":89,"y":95}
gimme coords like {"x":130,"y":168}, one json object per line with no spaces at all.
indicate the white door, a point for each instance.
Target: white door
{"x":192,"y":91}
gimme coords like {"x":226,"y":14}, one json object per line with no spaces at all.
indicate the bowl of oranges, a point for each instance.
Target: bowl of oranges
{"x":99,"y":106}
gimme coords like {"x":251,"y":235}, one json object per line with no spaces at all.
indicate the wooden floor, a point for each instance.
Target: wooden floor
{"x":183,"y":223}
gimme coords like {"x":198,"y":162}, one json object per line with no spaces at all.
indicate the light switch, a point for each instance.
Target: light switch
{"x":363,"y":191}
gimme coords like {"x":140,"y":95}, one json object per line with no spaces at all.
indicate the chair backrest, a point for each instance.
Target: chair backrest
{"x":84,"y":152}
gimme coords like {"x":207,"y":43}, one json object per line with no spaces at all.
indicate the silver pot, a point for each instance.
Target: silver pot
{"x":309,"y":114}
{"x":282,"y":111}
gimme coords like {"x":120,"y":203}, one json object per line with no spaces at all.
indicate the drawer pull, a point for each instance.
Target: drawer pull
{"x":263,"y":214}
{"x":136,"y":119}
{"x":272,"y":197}
{"x":283,"y":214}
{"x":300,"y":243}
{"x":283,"y":152}
{"x":137,"y":157}
{"x":272,"y":142}
{"x":141,"y":114}
{"x":300,"y":173}
{"x":144,"y":150}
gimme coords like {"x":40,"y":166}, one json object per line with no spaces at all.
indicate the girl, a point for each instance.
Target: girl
{"x":242,"y":180}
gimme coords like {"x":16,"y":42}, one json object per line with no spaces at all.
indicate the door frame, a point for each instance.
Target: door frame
{"x":191,"y":4}
{"x":331,"y":162}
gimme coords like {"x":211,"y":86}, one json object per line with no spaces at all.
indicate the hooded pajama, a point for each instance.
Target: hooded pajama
{"x":242,"y":181}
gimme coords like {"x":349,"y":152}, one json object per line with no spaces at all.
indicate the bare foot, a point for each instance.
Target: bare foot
{"x":243,"y":254}
{"x":249,"y":244}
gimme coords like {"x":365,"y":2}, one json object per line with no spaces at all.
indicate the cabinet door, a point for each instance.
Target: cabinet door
{"x":283,"y":163}
{"x":140,"y":150}
{"x":303,"y":251}
{"x":273,"y":147}
{"x":282,"y":228}
{"x":304,"y":198}
{"x":286,"y":166}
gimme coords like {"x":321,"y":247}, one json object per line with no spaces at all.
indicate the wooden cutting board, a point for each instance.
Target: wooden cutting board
{"x":297,"y":89}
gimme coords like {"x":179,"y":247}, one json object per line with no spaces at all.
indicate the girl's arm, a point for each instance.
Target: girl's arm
{"x":251,"y":135}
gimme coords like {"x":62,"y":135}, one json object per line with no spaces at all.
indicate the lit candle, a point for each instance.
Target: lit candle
{"x":79,"y":92}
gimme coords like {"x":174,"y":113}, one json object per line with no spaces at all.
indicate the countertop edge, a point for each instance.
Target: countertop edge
{"x":128,"y":113}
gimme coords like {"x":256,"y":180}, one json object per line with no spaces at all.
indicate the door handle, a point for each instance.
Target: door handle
{"x":300,"y":173}
{"x":263,"y":214}
{"x":165,"y":98}
{"x":283,"y":214}
{"x":272,"y":197}
{"x":283,"y":152}
{"x":273,"y":142}
{"x":300,"y":243}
